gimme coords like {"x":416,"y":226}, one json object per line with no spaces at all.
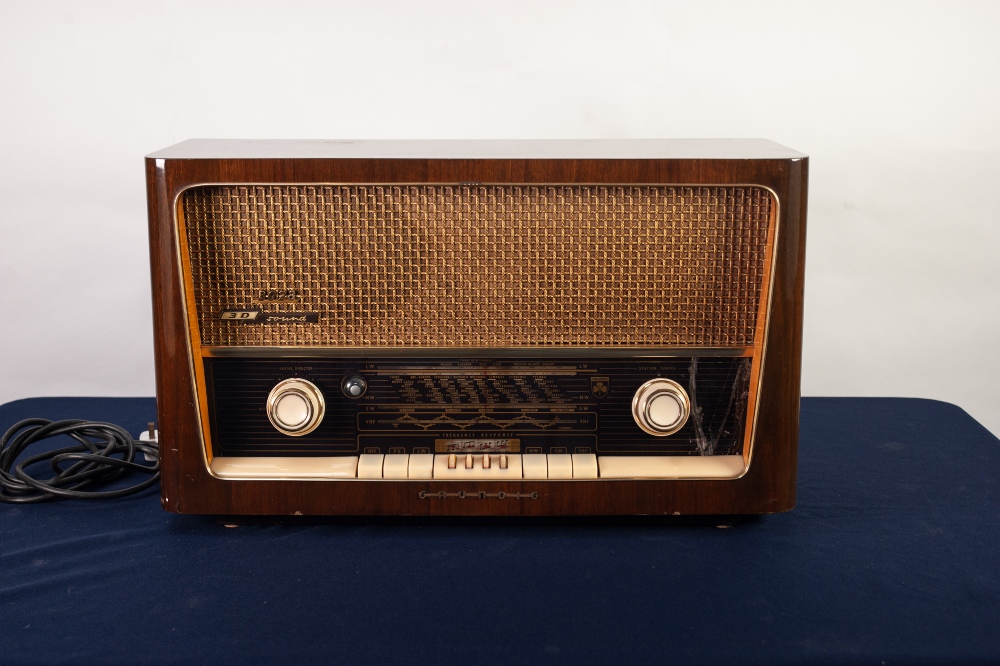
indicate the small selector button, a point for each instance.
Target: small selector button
{"x":354,"y":386}
{"x":295,"y":407}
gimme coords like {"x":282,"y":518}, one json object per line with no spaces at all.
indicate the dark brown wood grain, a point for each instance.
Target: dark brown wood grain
{"x":768,"y":486}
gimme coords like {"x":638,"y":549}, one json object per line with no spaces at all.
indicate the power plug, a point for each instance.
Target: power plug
{"x":150,"y":436}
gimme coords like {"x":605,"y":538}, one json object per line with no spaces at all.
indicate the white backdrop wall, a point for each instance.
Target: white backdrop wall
{"x":897,"y":104}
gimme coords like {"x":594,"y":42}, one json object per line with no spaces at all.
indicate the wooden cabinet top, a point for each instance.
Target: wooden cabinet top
{"x":576,"y":149}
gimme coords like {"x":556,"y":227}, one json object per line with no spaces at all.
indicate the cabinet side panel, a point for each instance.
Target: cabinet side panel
{"x":176,"y":412}
{"x":778,"y":419}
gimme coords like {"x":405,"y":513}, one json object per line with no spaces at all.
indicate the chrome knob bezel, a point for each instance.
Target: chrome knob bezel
{"x":645,"y":396}
{"x":354,"y":380}
{"x":314,"y":401}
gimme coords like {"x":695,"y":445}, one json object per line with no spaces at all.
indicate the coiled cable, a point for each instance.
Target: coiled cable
{"x":105,"y":453}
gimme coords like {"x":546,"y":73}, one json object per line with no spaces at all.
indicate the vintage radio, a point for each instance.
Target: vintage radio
{"x":477,"y":328}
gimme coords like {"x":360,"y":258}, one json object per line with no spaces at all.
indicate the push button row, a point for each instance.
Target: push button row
{"x":480,"y":466}
{"x":560,"y":466}
{"x":485,"y":460}
{"x":396,"y":466}
{"x":484,"y":466}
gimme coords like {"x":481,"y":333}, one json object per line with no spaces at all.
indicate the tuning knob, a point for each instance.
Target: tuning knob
{"x":295,"y":407}
{"x":661,"y":407}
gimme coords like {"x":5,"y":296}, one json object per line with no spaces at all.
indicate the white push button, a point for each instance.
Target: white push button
{"x":276,"y":467}
{"x":671,"y":467}
{"x":396,"y":466}
{"x":421,"y":466}
{"x":536,"y":465}
{"x":292,"y":410}
{"x":584,"y":465}
{"x":370,"y":465}
{"x":560,"y":466}
{"x":664,"y":410}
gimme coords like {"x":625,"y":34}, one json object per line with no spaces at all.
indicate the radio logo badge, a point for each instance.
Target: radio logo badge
{"x":259,"y":317}
{"x":240,"y":315}
{"x":599,"y":386}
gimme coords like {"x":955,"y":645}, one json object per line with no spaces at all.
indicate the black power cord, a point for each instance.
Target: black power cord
{"x":105,"y":453}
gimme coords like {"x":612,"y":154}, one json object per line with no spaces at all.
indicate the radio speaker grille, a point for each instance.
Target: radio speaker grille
{"x":480,"y":265}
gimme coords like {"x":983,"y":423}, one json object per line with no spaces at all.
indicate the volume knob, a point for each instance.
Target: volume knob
{"x":295,"y":407}
{"x":661,"y":407}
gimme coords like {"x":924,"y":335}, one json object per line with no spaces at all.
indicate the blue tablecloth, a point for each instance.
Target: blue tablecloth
{"x":891,"y":556}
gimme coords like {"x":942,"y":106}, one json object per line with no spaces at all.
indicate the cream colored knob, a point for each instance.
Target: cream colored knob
{"x":295,"y":407}
{"x":661,"y":407}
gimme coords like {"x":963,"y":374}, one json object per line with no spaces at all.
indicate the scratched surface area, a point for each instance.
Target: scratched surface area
{"x":890,"y":556}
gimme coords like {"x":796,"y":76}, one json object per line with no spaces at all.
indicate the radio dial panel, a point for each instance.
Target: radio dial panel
{"x":421,"y":405}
